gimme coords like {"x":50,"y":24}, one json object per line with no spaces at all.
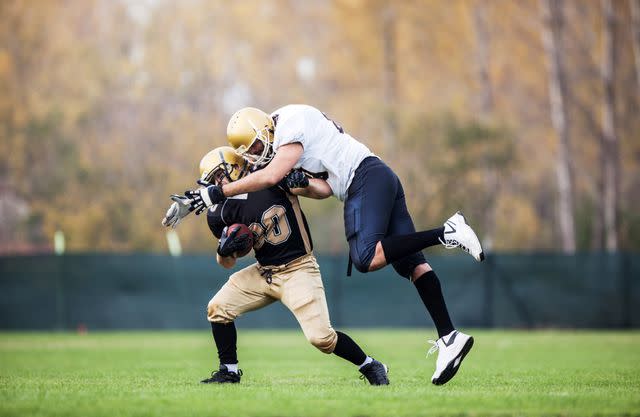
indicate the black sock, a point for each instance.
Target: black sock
{"x":226,"y":337}
{"x":428,"y":286}
{"x":347,"y":349}
{"x":399,"y":246}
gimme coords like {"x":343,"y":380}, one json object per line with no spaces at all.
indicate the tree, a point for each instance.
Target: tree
{"x":486,"y":108}
{"x":388,"y":20}
{"x":635,"y":28}
{"x":609,"y":145}
{"x":552,"y":34}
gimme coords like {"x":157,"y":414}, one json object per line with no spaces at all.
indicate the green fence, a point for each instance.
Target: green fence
{"x":107,"y":291}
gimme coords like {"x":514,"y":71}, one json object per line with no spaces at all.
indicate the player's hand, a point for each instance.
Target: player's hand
{"x":231,"y":244}
{"x":179,"y":209}
{"x":296,"y":179}
{"x":205,"y":197}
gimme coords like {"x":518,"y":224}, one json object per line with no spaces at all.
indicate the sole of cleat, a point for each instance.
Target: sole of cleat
{"x":453,"y":366}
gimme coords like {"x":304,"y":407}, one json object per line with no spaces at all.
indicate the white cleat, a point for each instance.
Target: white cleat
{"x":458,"y":234}
{"x":452,"y":349}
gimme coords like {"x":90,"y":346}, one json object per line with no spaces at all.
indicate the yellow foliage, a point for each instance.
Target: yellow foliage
{"x":112,"y":104}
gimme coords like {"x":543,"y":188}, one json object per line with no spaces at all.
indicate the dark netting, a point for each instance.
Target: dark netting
{"x":157,"y":291}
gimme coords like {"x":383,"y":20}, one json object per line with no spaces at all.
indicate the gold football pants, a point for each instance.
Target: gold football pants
{"x":298,"y":285}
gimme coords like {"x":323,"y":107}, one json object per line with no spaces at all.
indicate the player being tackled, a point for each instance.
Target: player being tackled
{"x":286,"y":269}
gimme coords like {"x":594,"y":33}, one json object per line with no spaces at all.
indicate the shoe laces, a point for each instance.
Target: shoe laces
{"x":434,"y":348}
{"x":452,"y":243}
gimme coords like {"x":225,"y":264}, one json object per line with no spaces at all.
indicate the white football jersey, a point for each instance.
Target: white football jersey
{"x":326,"y":147}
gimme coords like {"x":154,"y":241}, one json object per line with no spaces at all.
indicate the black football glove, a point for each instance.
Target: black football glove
{"x":231,"y":244}
{"x":205,"y":197}
{"x":296,"y":179}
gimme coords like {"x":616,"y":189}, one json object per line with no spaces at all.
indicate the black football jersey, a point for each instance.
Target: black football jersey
{"x":280,"y":230}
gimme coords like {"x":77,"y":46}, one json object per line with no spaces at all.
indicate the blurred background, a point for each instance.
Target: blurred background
{"x":524,"y":114}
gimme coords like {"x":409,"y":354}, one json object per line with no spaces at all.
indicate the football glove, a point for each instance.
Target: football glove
{"x":296,"y":179}
{"x":205,"y":197}
{"x":231,"y":244}
{"x":179,"y":209}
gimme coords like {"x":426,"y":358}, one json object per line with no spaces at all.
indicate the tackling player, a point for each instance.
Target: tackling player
{"x":378,"y":226}
{"x":286,"y":270}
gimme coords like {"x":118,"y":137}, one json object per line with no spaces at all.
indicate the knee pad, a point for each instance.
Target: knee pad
{"x":324,"y":342}
{"x":216,"y":313}
{"x":361,"y":259}
{"x":360,"y":266}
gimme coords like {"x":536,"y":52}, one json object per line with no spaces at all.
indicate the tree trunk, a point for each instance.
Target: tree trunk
{"x":609,"y":143}
{"x":388,"y":18}
{"x":486,"y":108}
{"x":552,"y":28}
{"x":482,"y":58}
{"x":635,"y":28}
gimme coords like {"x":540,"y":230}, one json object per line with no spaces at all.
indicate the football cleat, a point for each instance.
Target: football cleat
{"x":223,"y":376}
{"x":375,"y":372}
{"x":452,"y":349}
{"x":458,"y":234}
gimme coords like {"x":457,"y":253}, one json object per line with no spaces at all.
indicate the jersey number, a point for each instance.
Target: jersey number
{"x":273,"y":227}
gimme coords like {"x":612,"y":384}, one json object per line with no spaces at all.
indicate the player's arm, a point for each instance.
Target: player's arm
{"x":317,"y":188}
{"x":226,"y":261}
{"x":282,"y":163}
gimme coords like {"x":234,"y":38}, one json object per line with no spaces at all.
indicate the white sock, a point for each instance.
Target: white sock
{"x":366,"y":362}
{"x":232,"y":367}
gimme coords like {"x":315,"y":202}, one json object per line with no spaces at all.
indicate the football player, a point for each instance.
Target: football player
{"x":286,"y":270}
{"x":378,"y":226}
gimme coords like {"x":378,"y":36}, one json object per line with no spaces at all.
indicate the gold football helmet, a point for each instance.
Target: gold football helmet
{"x":250,"y":132}
{"x":222,"y":162}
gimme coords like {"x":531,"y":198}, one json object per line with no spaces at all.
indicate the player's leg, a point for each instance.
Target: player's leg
{"x":303,"y":294}
{"x":245,"y":291}
{"x":415,"y":267}
{"x":455,"y":233}
{"x":367,"y":212}
{"x":452,"y":345}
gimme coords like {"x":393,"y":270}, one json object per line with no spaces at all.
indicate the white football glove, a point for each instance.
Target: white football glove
{"x":180,"y":209}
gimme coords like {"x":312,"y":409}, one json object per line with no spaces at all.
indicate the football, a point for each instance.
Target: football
{"x":243,"y":230}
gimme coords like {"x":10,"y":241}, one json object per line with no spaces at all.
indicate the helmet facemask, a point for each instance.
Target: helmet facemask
{"x":232,"y":172}
{"x":259,"y":158}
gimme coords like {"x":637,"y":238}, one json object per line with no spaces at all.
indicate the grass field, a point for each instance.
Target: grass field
{"x":157,"y":373}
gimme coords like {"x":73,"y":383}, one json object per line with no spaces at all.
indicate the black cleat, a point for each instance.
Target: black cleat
{"x":375,"y":372}
{"x":223,"y":376}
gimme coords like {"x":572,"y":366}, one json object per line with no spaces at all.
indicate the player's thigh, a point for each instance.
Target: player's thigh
{"x":246,"y":290}
{"x":303,"y":294}
{"x":400,"y":223}
{"x":368,"y":210}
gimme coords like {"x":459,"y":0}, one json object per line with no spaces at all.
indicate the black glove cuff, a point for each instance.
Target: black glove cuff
{"x":216,"y":194}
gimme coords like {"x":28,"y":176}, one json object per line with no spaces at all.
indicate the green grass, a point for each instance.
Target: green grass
{"x":156,"y":373}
